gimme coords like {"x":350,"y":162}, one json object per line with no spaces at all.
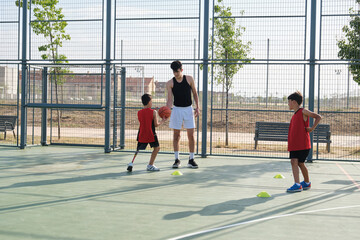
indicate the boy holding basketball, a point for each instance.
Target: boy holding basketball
{"x":299,"y":143}
{"x":148,"y":119}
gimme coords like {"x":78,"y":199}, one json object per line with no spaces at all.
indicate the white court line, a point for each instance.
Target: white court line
{"x":259,"y":220}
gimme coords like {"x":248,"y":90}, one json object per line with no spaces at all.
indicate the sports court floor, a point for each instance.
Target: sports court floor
{"x":71,"y":193}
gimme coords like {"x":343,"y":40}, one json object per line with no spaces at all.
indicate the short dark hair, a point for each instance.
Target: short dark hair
{"x":296,"y":96}
{"x":146,"y":98}
{"x":175,"y":65}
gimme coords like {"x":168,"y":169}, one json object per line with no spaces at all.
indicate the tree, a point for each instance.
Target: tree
{"x":51,"y":25}
{"x":284,"y":98}
{"x":229,"y":52}
{"x":349,"y":48}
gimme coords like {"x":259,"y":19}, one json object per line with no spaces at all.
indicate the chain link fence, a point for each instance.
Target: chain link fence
{"x":143,"y":38}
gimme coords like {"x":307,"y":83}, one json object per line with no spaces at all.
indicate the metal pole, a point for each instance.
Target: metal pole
{"x":267,"y":73}
{"x":198,"y":73}
{"x":114,"y":37}
{"x":194,"y":57}
{"x":143,"y":80}
{"x":312,"y":69}
{"x":108,"y":77}
{"x":212,"y":82}
{"x":121,"y":53}
{"x":115,"y":92}
{"x":18,"y":95}
{"x":338,"y":78}
{"x":305,"y":49}
{"x":348,"y":88}
{"x":51,"y":110}
{"x":318,"y":106}
{"x":44,"y":110}
{"x":205,"y":78}
{"x":33,"y":110}
{"x":197,"y":120}
{"x":23,"y":78}
{"x":123,"y":98}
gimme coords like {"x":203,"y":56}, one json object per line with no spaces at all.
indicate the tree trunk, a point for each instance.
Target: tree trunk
{"x":54,"y":57}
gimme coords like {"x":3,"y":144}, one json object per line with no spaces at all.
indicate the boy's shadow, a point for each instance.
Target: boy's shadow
{"x":225,"y":208}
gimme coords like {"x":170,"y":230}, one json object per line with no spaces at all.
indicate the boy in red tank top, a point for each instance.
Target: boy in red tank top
{"x":299,"y":143}
{"x":148,"y":119}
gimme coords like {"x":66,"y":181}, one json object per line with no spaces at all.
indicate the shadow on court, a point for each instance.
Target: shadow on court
{"x":232,"y":207}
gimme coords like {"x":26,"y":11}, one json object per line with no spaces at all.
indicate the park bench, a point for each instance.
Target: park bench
{"x":7,"y":123}
{"x":277,"y":131}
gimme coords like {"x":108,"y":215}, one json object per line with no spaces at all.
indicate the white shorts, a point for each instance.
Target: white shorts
{"x":180,"y":115}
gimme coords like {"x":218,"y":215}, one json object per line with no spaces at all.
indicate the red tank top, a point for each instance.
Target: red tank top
{"x":147,"y":128}
{"x":298,"y":137}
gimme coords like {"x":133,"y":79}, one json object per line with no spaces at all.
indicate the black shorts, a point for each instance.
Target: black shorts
{"x":301,"y":155}
{"x":142,"y":146}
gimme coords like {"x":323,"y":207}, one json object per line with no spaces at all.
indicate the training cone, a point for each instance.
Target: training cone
{"x":177,"y":173}
{"x":279,"y":176}
{"x":263,"y":195}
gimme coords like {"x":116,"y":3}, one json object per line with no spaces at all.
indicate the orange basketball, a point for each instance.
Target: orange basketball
{"x":164,"y":112}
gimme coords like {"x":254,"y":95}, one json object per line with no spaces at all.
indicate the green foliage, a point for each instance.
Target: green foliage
{"x":228,"y":52}
{"x":227,"y":45}
{"x":49,"y":22}
{"x":349,"y":48}
{"x":61,"y":74}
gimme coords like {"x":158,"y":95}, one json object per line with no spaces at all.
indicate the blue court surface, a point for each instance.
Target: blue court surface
{"x":71,"y":193}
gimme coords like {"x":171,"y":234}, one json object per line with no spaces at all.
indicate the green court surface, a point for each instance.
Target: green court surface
{"x":83,"y":194}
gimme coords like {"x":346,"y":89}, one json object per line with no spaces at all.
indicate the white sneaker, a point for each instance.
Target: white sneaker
{"x":152,"y":168}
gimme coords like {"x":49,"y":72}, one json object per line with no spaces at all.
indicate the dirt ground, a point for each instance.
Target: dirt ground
{"x":238,"y":121}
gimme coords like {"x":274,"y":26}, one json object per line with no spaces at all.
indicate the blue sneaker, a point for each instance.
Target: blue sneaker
{"x":305,"y":186}
{"x":295,"y":188}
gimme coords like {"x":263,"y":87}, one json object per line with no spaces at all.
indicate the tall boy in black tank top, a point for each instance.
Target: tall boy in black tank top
{"x":179,"y":90}
{"x":182,"y":93}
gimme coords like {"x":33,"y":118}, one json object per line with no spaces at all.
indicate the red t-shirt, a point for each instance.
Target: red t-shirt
{"x":146,"y":132}
{"x":298,"y":137}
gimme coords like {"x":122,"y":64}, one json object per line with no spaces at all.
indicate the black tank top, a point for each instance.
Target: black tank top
{"x":182,"y":93}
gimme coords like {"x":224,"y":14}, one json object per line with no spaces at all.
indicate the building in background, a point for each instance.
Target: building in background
{"x":8,"y":82}
{"x":134,"y":84}
{"x":160,"y":89}
{"x":86,"y":86}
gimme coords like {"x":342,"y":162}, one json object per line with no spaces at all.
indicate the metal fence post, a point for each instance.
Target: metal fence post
{"x":115,"y":99}
{"x":205,"y":78}
{"x":107,"y":77}
{"x":23,"y":77}
{"x":44,"y":110}
{"x":312,"y":69}
{"x":123,"y":105}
